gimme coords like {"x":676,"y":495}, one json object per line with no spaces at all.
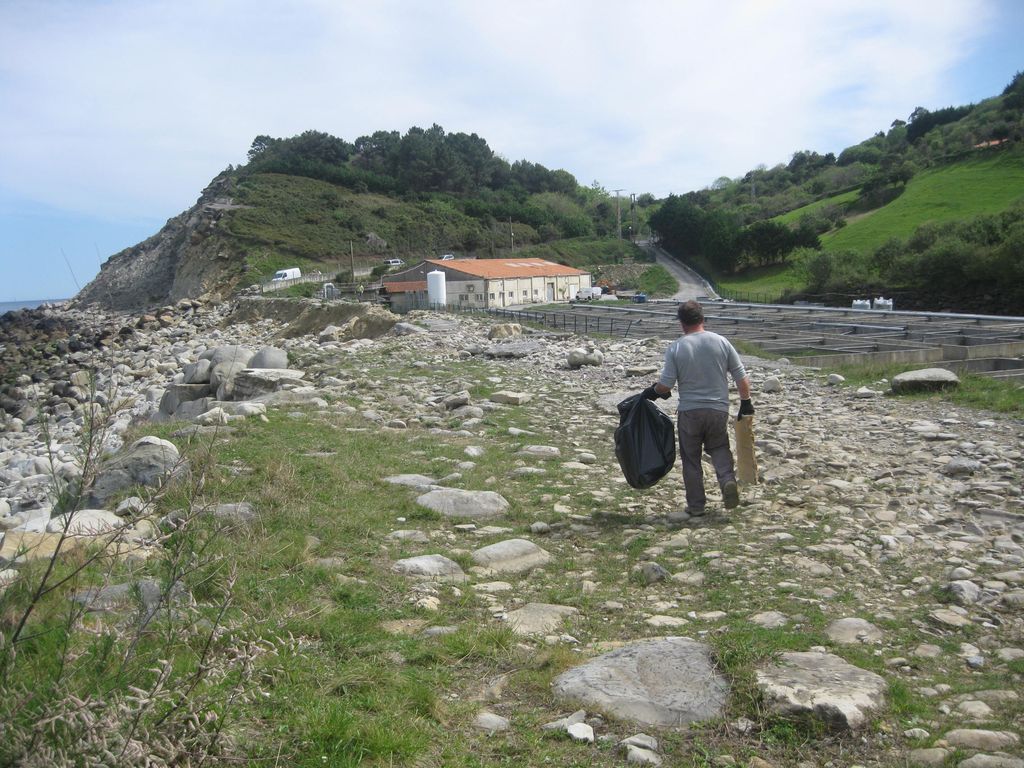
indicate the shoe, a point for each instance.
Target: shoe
{"x":731,"y":494}
{"x":694,"y":512}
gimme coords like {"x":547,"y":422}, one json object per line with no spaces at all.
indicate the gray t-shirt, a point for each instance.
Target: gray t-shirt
{"x":698,"y":363}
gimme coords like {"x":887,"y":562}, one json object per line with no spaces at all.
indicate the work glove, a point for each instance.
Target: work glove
{"x":652,"y":394}
{"x":746,"y":409}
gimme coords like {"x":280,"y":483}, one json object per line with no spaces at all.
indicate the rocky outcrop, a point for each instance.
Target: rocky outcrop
{"x":187,"y":258}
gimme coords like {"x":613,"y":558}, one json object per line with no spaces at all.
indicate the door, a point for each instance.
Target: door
{"x":551,"y":291}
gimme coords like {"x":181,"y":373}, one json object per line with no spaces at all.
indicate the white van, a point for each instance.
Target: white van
{"x":394,"y":262}
{"x":286,"y":274}
{"x":448,"y":257}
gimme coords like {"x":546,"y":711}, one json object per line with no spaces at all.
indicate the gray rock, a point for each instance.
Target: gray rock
{"x":960,"y":466}
{"x":580,"y":357}
{"x":823,"y":686}
{"x":580,"y":732}
{"x":514,"y":349}
{"x":455,"y":502}
{"x":430,"y":567}
{"x":538,"y":618}
{"x":991,"y":761}
{"x":505,"y":331}
{"x":667,"y":681}
{"x":419,"y":482}
{"x":652,"y":572}
{"x":252,"y":382}
{"x":771,"y":385}
{"x":149,"y":461}
{"x":197,"y":373}
{"x":411,"y":535}
{"x":982,"y":739}
{"x":770,"y":619}
{"x":269,"y":357}
{"x":543,"y":452}
{"x":511,"y":556}
{"x":407,"y":329}
{"x":640,"y":756}
{"x":231,"y":353}
{"x":511,"y":398}
{"x":222,"y":377}
{"x":240,"y":512}
{"x":176,"y":394}
{"x":491,"y":723}
{"x":853,"y":630}
{"x":924,"y":380}
{"x":926,"y":758}
{"x":965,"y":592}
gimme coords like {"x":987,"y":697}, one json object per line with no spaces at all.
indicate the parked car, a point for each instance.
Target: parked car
{"x":448,"y":257}
{"x":589,"y":294}
{"x":394,"y":262}
{"x":286,"y":274}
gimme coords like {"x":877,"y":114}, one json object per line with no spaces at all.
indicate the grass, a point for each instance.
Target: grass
{"x":762,"y":284}
{"x":981,"y":185}
{"x":343,"y":688}
{"x":984,"y":184}
{"x":794,"y":216}
{"x":978,"y":392}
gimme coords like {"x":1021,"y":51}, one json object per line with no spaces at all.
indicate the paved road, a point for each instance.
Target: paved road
{"x":691,"y":285}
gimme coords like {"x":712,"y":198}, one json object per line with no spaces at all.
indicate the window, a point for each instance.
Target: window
{"x":492,"y":297}
{"x":511,"y":295}
{"x":525,"y":294}
{"x":463,"y":297}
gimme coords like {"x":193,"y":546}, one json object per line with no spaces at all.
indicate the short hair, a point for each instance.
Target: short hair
{"x":690,"y":313}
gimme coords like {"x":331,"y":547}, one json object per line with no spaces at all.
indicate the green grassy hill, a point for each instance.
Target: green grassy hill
{"x":288,"y":221}
{"x":980,"y":185}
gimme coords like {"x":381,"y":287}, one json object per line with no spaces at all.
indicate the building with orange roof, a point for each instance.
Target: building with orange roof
{"x":485,"y":283}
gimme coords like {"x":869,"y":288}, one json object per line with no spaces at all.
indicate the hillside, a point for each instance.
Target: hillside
{"x":928,"y":210}
{"x":320,"y":203}
{"x":979,"y":185}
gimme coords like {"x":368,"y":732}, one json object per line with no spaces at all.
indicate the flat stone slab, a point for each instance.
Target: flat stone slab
{"x":511,"y":556}
{"x":511,"y":398}
{"x":924,"y":380}
{"x":86,"y":522}
{"x":430,"y":567}
{"x":455,"y":502}
{"x":668,"y":681}
{"x":822,"y":686}
{"x":853,"y":630}
{"x":546,"y":452}
{"x":419,"y":482}
{"x":538,"y":618}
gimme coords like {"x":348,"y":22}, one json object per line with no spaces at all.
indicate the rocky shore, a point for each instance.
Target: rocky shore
{"x":934,"y":496}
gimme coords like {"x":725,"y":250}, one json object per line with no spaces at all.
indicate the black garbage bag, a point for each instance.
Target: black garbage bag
{"x":645,"y":442}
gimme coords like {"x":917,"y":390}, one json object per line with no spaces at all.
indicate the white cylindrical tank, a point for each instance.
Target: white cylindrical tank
{"x":861,"y":304}
{"x":437,"y":295}
{"x":883,"y":303}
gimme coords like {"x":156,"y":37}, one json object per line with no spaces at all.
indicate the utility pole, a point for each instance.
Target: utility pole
{"x":512,"y":234}
{"x":618,"y":212}
{"x":352,"y":260}
{"x":632,"y":207}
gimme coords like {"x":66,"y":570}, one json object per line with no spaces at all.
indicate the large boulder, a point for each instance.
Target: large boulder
{"x":176,"y":394}
{"x":924,"y":380}
{"x":821,"y":686}
{"x":668,"y":681}
{"x":253,"y":382}
{"x":455,"y":502}
{"x":269,"y":357}
{"x":149,"y":461}
{"x":229,"y":353}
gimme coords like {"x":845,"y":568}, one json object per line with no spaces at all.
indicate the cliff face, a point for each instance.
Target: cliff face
{"x":187,"y":258}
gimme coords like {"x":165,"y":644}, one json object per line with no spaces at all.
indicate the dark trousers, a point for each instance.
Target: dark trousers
{"x":706,"y":430}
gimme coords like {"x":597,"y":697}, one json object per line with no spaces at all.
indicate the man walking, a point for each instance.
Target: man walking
{"x":699,"y":361}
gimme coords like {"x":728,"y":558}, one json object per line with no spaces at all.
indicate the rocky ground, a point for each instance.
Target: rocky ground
{"x":890,"y":530}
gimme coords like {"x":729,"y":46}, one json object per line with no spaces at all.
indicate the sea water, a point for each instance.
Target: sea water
{"x":7,"y":306}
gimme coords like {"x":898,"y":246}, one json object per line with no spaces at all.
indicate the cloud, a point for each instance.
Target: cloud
{"x":125,"y":109}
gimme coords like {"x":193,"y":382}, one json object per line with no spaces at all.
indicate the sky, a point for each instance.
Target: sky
{"x":115,"y":114}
